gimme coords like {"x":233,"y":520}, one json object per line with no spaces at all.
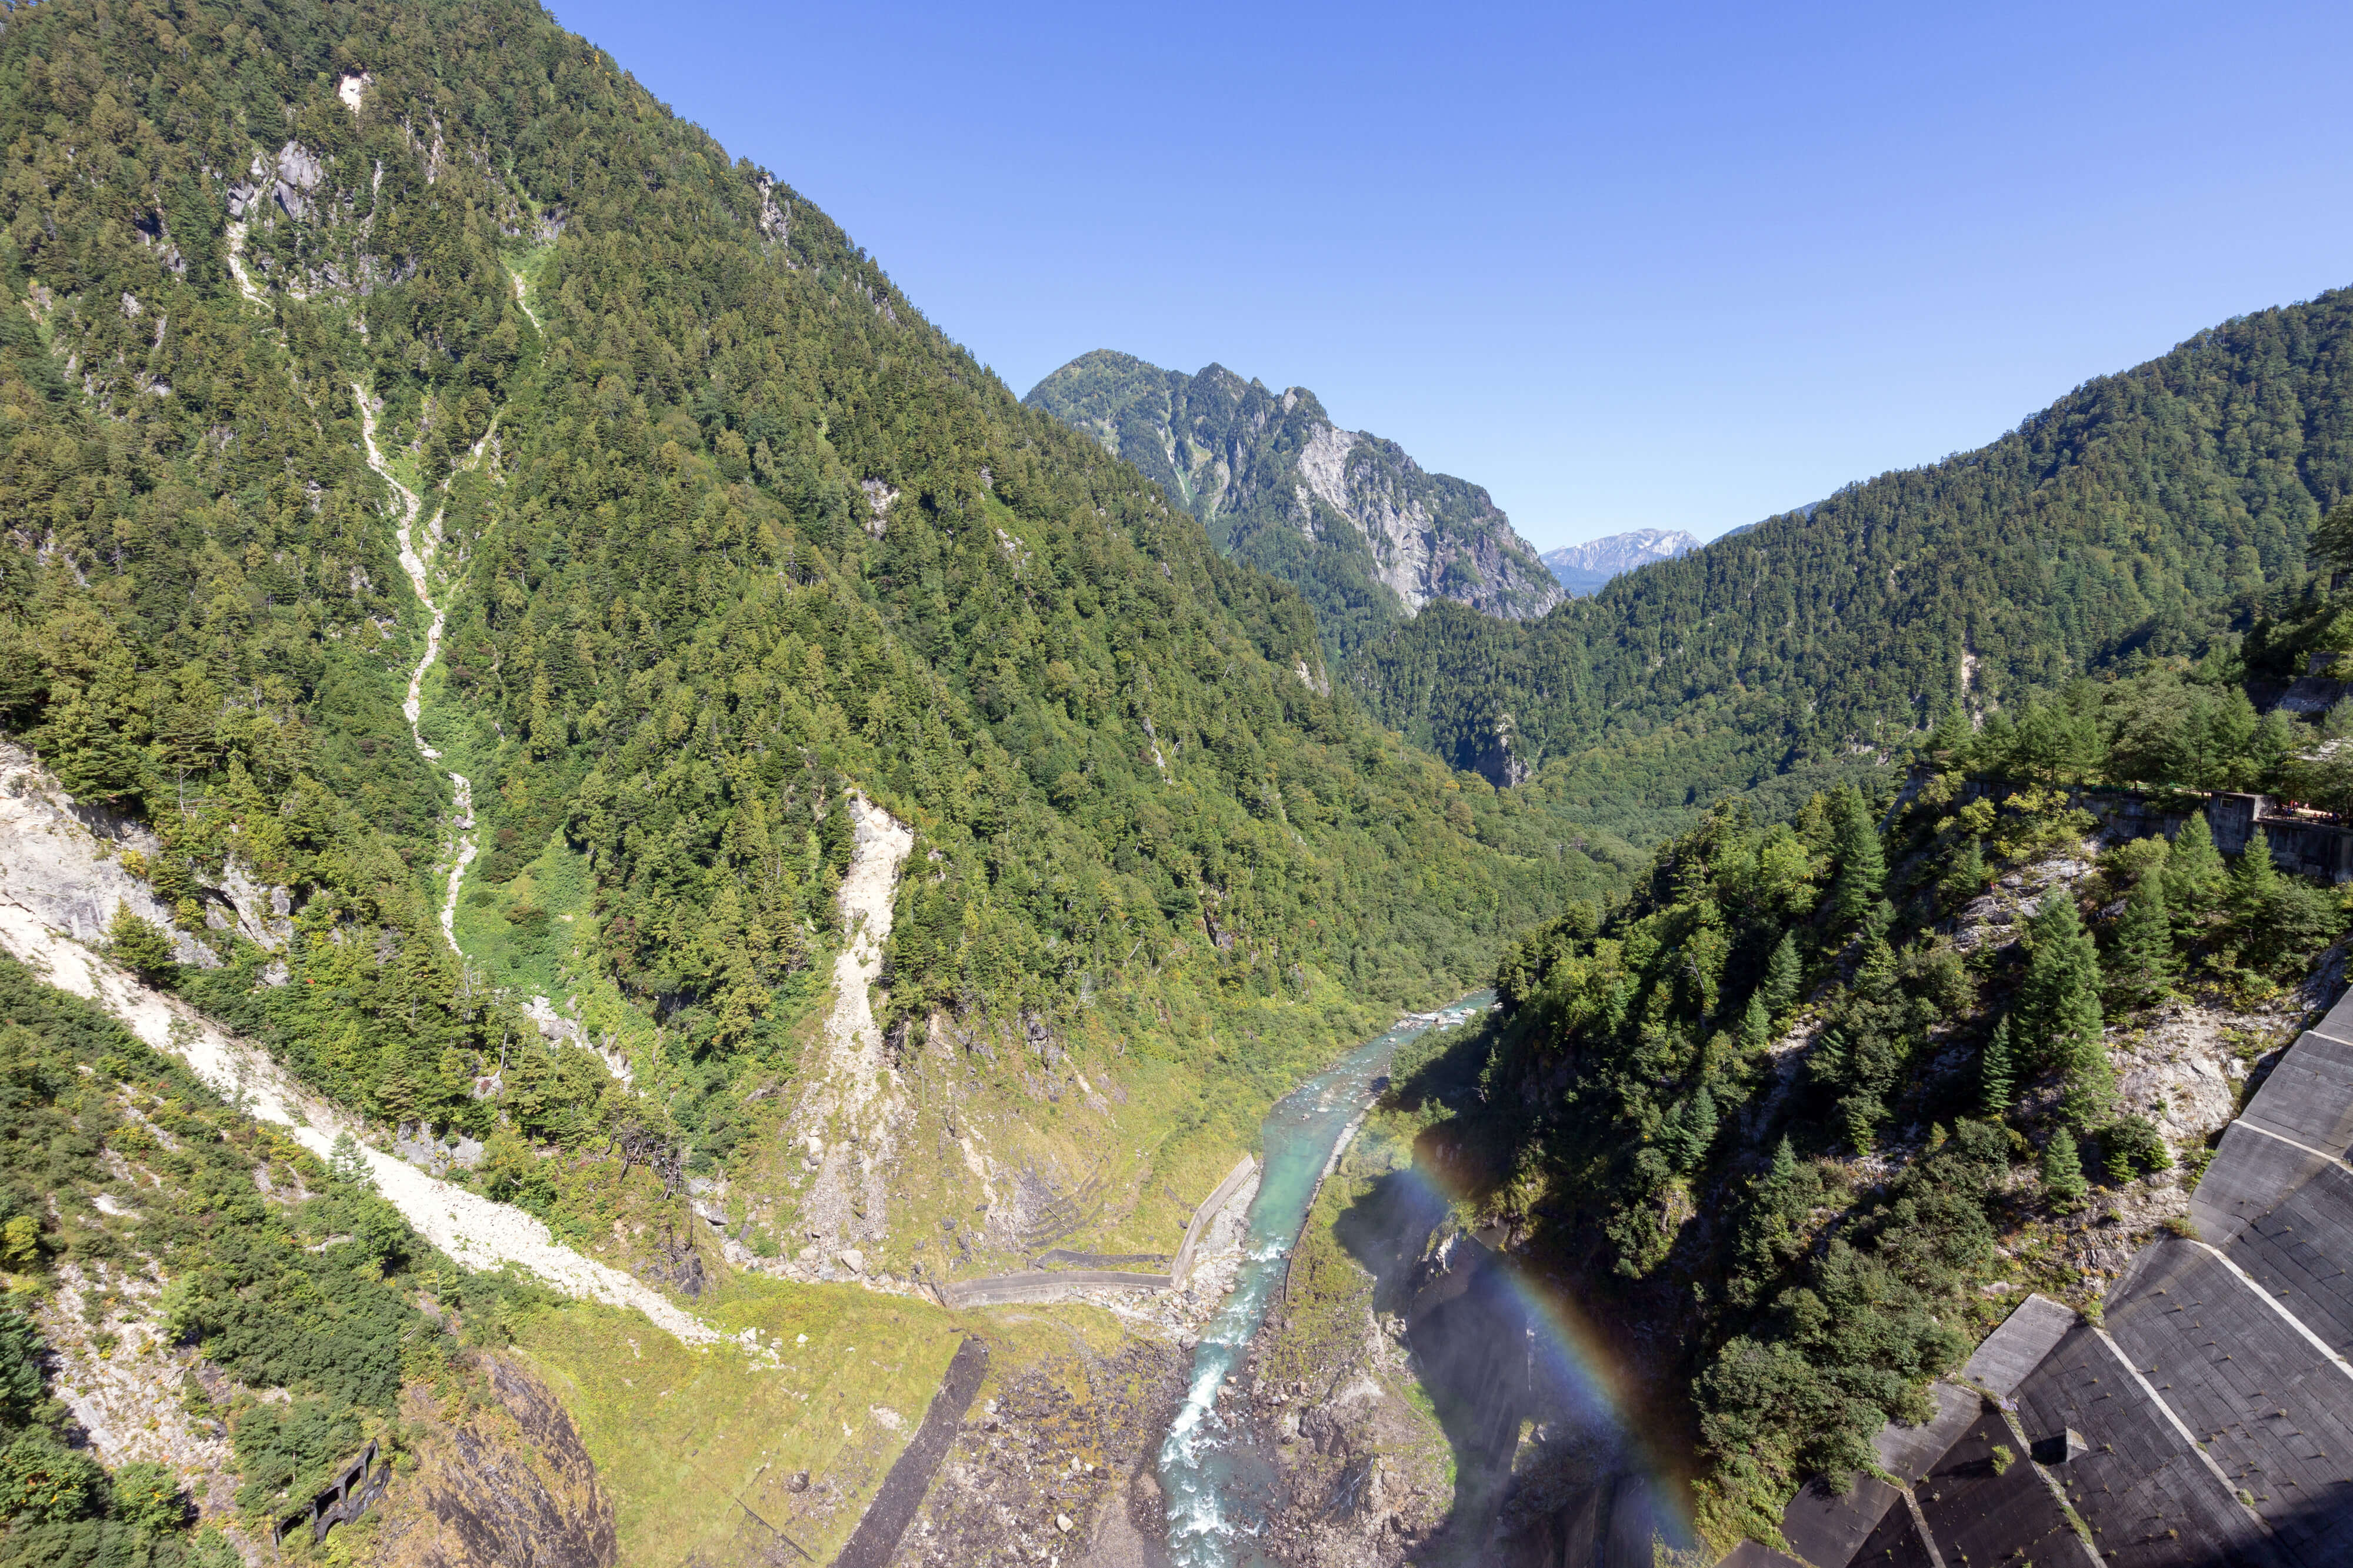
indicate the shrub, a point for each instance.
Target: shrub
{"x":139,"y":947}
{"x":42,"y":1483}
{"x":147,"y":1497}
{"x":2131,"y":1146}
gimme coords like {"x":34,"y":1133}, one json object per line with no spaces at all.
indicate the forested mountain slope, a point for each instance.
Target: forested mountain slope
{"x":1817,"y":637}
{"x":743,"y":530}
{"x":1805,"y":1117}
{"x":1365,"y":533}
{"x":727,"y":535}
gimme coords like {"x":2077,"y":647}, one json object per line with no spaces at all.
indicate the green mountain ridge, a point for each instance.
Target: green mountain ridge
{"x":2127,"y":516}
{"x":1211,"y":735}
{"x":1366,"y":534}
{"x":728,"y":535}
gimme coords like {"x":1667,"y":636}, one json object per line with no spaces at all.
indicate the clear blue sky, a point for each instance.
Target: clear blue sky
{"x":1626,"y":266}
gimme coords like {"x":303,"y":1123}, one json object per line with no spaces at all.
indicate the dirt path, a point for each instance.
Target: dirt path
{"x":467,"y":1226}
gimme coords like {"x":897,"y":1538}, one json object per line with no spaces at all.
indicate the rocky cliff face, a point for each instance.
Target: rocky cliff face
{"x":509,"y":1483}
{"x":1365,"y":532}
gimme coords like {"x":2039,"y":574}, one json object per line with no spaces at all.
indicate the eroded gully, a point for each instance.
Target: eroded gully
{"x":419,"y":537}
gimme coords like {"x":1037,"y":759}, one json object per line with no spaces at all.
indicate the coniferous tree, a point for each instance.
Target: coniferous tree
{"x":2063,"y":1170}
{"x":1997,"y":1084}
{"x":1768,"y":1228}
{"x":1756,"y":1024}
{"x":1699,"y":1128}
{"x":2142,"y":967}
{"x":2059,"y":1007}
{"x":2249,"y":890}
{"x":1967,"y":880}
{"x":2252,"y":882}
{"x":1950,"y":738}
{"x":2331,"y":545}
{"x":1878,"y":921}
{"x":2193,"y":877}
{"x":1783,"y":975}
{"x":1863,"y":863}
{"x":139,"y":947}
{"x":2273,"y":918}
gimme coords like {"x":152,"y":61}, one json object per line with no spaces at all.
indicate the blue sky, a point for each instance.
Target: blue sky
{"x":1627,"y":267}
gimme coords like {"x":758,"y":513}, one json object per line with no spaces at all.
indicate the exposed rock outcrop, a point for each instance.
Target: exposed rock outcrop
{"x":505,"y":1483}
{"x":1368,"y":534}
{"x":65,"y":863}
{"x":469,"y":1227}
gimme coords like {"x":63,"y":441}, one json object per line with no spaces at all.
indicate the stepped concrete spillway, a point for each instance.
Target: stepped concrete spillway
{"x":2204,"y":1421}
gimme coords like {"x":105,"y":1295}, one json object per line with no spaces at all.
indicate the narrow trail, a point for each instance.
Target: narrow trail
{"x":417,"y":543}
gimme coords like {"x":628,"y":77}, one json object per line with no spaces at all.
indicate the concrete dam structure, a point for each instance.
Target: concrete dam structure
{"x":2202,"y":1419}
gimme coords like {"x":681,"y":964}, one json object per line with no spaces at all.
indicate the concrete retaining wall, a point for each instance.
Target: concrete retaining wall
{"x":2306,"y":845}
{"x":1182,"y":1270}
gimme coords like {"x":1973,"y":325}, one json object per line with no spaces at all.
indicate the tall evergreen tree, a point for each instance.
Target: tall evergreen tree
{"x":1967,"y":880}
{"x":2250,"y":889}
{"x":1949,"y":738}
{"x":2193,"y":877}
{"x":1863,"y":863}
{"x":1756,"y":1024}
{"x":1784,"y":975}
{"x":1768,"y":1228}
{"x":2253,"y":881}
{"x":1699,"y":1128}
{"x":1997,"y":1082}
{"x":2142,"y":966}
{"x":2331,"y":545}
{"x":2059,"y":1007}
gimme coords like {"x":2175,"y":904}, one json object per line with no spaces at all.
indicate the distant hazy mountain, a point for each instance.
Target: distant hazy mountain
{"x":1582,"y":568}
{"x":1365,"y":532}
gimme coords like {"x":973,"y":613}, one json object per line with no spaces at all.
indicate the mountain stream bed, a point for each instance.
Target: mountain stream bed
{"x":1218,"y":1494}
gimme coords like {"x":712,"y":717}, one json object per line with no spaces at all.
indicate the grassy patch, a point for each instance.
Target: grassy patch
{"x":690,"y":1445}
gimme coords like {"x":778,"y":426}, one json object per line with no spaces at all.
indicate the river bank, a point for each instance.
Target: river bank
{"x":1218,"y":1489}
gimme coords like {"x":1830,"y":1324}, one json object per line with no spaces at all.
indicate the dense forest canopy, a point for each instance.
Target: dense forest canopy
{"x":1775,"y":1106}
{"x":738,"y":532}
{"x":1818,"y":641}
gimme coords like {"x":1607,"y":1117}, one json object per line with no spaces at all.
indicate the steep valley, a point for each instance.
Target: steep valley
{"x":648,"y":922}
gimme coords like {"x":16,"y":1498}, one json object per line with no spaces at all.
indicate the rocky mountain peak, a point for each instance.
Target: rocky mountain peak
{"x":1366,"y":532}
{"x":1582,"y":568}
